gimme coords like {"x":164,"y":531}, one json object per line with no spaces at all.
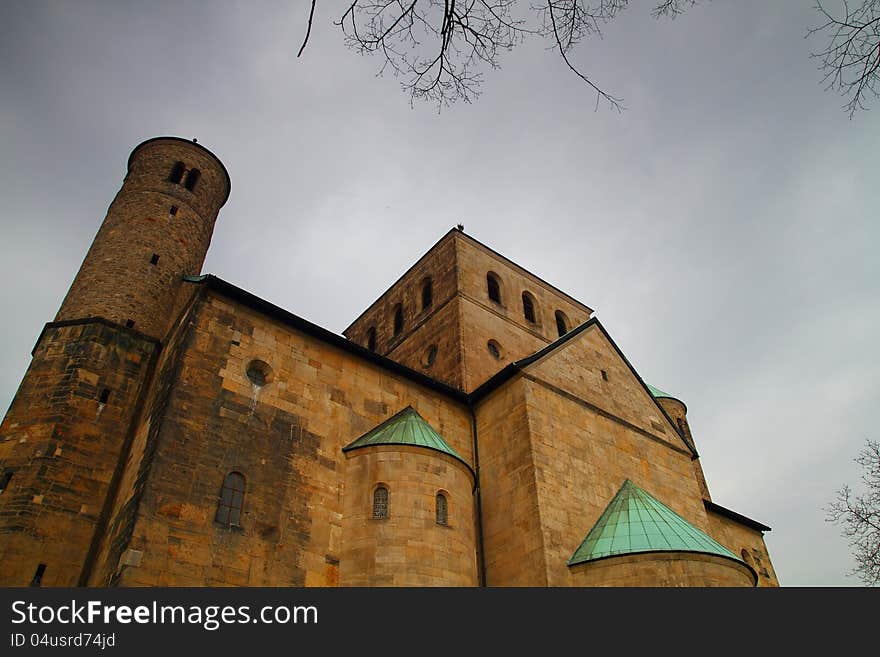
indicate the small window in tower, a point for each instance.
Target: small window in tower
{"x":177,"y":173}
{"x":38,"y":575}
{"x":192,"y":178}
{"x":129,"y":323}
{"x":231,"y":503}
{"x":430,"y":356}
{"x":441,"y":510}
{"x":380,"y":503}
{"x":155,"y":259}
{"x":681,"y":426}
{"x":604,"y":375}
{"x":173,"y":210}
{"x":493,"y":286}
{"x":398,"y":319}
{"x":528,"y":302}
{"x":4,"y":481}
{"x":494,"y":349}
{"x":371,"y":338}
{"x":105,"y":395}
{"x":561,"y":323}
{"x":427,"y":294}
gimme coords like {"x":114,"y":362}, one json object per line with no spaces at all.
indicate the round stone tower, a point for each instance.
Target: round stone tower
{"x":157,"y":230}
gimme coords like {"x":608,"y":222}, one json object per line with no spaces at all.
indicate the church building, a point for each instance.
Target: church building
{"x":475,"y":426}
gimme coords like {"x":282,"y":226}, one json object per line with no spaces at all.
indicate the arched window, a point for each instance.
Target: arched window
{"x":427,"y":294}
{"x":371,"y":338}
{"x":231,"y":500}
{"x":441,"y":509}
{"x":528,"y":307}
{"x":192,"y":178}
{"x":177,"y":173}
{"x":380,"y":503}
{"x":398,"y":319}
{"x":493,"y":286}
{"x":561,"y":323}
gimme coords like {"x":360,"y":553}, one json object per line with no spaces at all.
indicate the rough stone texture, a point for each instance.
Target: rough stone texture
{"x":663,"y":569}
{"x":422,"y":327}
{"x":408,"y":548}
{"x":745,"y":542}
{"x":62,"y":446}
{"x":286,"y":438}
{"x":512,"y":535}
{"x":117,"y":280}
{"x":483,"y":320}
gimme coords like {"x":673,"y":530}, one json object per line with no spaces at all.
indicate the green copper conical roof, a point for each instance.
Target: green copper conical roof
{"x":405,"y":428}
{"x":656,"y":392}
{"x":636,"y":522}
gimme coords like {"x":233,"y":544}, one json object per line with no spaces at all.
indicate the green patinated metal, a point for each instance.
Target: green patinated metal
{"x":636,"y":522}
{"x":656,"y":392}
{"x":405,"y":428}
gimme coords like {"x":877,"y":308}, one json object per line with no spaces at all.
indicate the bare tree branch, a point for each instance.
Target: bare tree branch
{"x":308,"y":30}
{"x":851,"y":60}
{"x":439,"y":48}
{"x":859,"y":516}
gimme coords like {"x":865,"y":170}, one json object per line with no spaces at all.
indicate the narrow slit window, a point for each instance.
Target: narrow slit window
{"x":173,"y":210}
{"x":105,"y":395}
{"x":398,"y":319}
{"x":493,"y":286}
{"x":231,"y":503}
{"x":129,"y":323}
{"x":192,"y":178}
{"x":604,"y":375}
{"x":441,"y":510}
{"x":528,"y":307}
{"x":177,"y":173}
{"x":155,"y":259}
{"x":4,"y":481}
{"x":427,"y":294}
{"x":371,"y":339}
{"x":38,"y":575}
{"x":380,"y":503}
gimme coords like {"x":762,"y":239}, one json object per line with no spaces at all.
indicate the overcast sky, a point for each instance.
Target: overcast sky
{"x":721,"y":226}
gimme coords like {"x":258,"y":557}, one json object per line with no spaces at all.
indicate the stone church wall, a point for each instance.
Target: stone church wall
{"x":284,"y":437}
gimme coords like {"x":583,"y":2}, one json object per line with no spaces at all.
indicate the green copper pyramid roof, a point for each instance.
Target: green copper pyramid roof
{"x":405,"y":428}
{"x":656,"y":392}
{"x":636,"y":522}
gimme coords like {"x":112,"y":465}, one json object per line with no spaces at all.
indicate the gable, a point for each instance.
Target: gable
{"x":589,"y":367}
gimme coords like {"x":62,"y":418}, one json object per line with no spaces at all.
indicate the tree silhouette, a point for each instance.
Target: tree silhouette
{"x":439,"y":49}
{"x":860,"y":516}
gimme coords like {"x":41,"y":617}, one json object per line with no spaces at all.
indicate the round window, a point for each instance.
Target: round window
{"x":259,"y":372}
